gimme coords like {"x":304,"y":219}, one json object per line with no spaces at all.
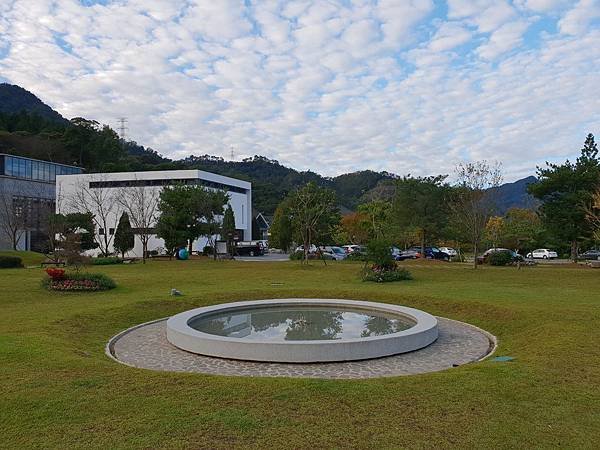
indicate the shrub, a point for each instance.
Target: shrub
{"x":356,"y":256}
{"x":106,"y":261}
{"x":207,"y":250}
{"x":297,"y":256}
{"x":55,"y":273}
{"x":80,"y":282}
{"x":499,"y":259}
{"x":10,"y":262}
{"x":380,"y":254}
{"x":381,"y":274}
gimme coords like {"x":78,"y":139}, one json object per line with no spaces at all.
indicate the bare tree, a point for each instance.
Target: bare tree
{"x":102,"y":202}
{"x":141,"y":204}
{"x":12,"y":213}
{"x":474,"y":199}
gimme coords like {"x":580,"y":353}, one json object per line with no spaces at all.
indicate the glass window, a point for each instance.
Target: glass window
{"x":28,"y":169}
{"x":22,"y":168}
{"x":34,"y":170}
{"x":46,"y":172}
{"x":52,"y":172}
{"x":8,"y":165}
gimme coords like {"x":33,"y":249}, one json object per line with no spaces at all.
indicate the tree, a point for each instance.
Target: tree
{"x":124,"y":237}
{"x":420,"y":204}
{"x":103,"y":205}
{"x":522,"y":229}
{"x":565,"y":190}
{"x":379,"y":215}
{"x":313,"y":213}
{"x":188,"y":212}
{"x":228,"y":229}
{"x":281,"y":234}
{"x":356,"y":228}
{"x":494,"y":230}
{"x":12,"y":215}
{"x":141,"y":205}
{"x":592,"y":212}
{"x":473,"y":200}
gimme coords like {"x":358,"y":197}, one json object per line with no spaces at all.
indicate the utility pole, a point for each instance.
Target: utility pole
{"x":232,"y":153}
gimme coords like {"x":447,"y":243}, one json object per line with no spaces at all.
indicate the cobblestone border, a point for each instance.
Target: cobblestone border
{"x":145,"y":346}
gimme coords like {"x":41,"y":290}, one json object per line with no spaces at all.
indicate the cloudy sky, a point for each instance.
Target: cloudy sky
{"x":409,"y":86}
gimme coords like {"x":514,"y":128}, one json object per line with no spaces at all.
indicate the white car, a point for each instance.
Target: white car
{"x":542,"y":253}
{"x":449,"y":250}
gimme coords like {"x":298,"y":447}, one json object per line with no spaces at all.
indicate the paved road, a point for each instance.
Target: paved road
{"x":269,"y":257}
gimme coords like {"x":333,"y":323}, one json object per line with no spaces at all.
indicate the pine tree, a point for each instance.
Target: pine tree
{"x":124,"y":237}
{"x":228,"y":228}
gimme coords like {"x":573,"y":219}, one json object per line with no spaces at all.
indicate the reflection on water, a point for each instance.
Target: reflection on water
{"x":300,"y":323}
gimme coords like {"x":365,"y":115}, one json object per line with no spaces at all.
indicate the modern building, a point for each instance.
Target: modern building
{"x":27,"y":193}
{"x":85,"y":192}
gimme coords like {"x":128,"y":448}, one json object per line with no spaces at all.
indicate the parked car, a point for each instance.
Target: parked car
{"x":590,"y":255}
{"x":249,"y":248}
{"x":483,"y":258}
{"x":311,"y":249}
{"x":337,"y":253}
{"x":354,"y":248}
{"x":449,"y":250}
{"x":542,"y":253}
{"x":407,"y":254}
{"x":433,"y":253}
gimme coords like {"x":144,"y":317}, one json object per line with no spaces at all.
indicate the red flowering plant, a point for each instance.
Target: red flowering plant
{"x":55,"y":273}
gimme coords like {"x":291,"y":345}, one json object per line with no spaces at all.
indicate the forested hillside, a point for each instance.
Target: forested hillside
{"x":30,"y":128}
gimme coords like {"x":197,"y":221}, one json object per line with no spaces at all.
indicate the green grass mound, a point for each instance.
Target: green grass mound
{"x":28,"y":258}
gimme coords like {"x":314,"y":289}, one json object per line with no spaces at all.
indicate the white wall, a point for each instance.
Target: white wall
{"x":68,"y":185}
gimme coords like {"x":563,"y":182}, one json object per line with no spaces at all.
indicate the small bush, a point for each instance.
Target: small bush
{"x":499,"y":259}
{"x":356,"y":256}
{"x":80,"y":282}
{"x":380,"y":254}
{"x":385,"y":274}
{"x":10,"y":262}
{"x":207,"y":251}
{"x":106,"y":261}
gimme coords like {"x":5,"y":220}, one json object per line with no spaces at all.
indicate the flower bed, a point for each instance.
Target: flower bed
{"x":58,"y":281}
{"x":383,"y":274}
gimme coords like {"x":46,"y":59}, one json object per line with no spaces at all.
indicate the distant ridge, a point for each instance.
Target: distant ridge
{"x":14,"y":99}
{"x":515,"y":195}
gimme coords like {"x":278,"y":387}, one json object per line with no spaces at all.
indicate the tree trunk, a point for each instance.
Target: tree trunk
{"x":474,"y":255}
{"x":574,"y":248}
{"x":423,"y":243}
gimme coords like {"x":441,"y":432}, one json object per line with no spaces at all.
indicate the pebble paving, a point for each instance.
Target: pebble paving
{"x":458,"y":343}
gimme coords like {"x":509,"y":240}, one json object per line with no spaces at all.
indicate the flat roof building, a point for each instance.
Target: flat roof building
{"x":104,"y":188}
{"x":27,"y":193}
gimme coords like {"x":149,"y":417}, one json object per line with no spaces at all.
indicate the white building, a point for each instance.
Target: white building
{"x":91,"y":192}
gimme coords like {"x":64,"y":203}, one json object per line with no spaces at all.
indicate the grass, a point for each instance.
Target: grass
{"x":29,"y":258}
{"x":59,"y":390}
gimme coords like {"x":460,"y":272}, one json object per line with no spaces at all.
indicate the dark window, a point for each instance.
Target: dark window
{"x":101,"y":231}
{"x":165,"y":182}
{"x":111,"y":231}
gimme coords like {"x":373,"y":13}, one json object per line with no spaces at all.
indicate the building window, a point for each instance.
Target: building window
{"x":111,"y":231}
{"x":101,"y":231}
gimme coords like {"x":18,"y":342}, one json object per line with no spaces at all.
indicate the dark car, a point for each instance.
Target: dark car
{"x":483,"y":259}
{"x":249,"y":248}
{"x":430,"y":253}
{"x":590,"y":254}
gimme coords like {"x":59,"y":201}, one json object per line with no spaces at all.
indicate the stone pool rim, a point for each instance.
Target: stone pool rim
{"x":421,"y":334}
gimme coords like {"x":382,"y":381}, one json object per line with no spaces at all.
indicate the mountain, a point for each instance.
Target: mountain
{"x":30,"y":128}
{"x":515,"y":195}
{"x":14,"y":99}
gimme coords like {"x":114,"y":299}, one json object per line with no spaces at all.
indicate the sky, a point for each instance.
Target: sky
{"x":406,"y":86}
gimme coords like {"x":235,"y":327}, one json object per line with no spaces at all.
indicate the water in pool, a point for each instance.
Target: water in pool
{"x":300,"y":323}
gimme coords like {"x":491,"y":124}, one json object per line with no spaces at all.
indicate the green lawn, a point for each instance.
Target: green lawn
{"x":59,"y":390}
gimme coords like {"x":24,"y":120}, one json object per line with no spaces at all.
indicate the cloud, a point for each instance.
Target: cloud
{"x":577,"y":20}
{"x":330,"y":86}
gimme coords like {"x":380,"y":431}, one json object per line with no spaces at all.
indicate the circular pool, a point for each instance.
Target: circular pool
{"x":302,"y":330}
